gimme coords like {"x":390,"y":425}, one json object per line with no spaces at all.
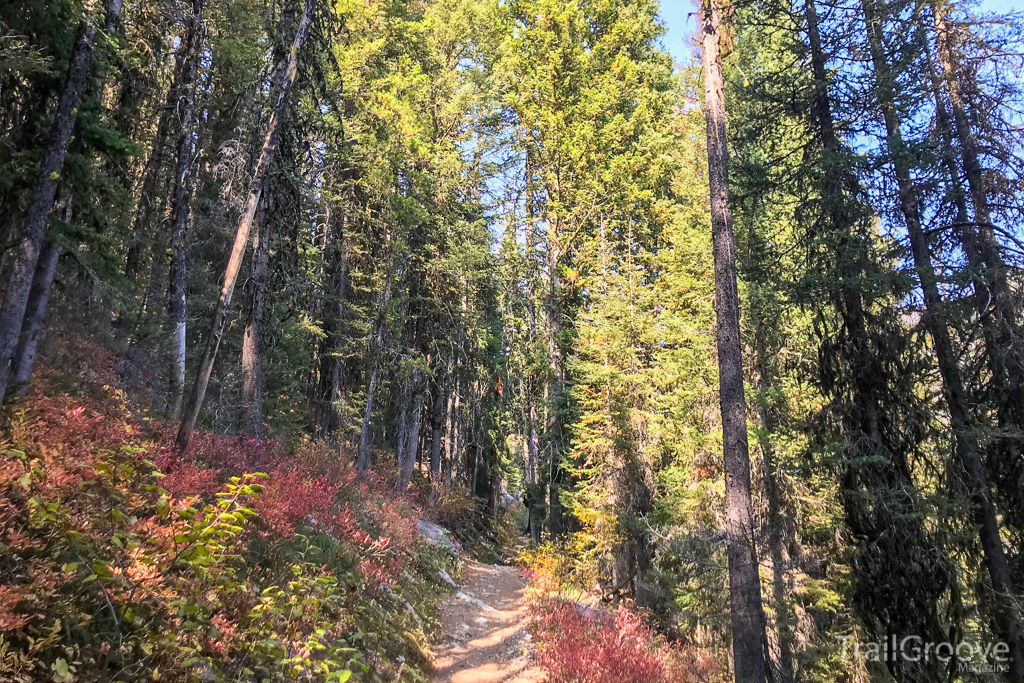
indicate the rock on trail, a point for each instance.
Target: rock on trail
{"x":483,"y":626}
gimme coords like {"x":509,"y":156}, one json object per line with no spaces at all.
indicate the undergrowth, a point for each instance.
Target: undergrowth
{"x":120,"y":562}
{"x":579,"y":641}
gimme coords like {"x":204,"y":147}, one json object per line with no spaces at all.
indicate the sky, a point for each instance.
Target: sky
{"x":677,"y":15}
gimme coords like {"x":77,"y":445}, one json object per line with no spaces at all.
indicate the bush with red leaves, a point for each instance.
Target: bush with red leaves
{"x":190,"y":563}
{"x":577,"y":645}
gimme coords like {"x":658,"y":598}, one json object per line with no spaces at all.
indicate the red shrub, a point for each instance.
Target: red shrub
{"x":293,"y":497}
{"x":95,"y":516}
{"x":590,"y":646}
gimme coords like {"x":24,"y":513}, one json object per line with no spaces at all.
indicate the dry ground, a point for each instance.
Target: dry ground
{"x":484,"y":637}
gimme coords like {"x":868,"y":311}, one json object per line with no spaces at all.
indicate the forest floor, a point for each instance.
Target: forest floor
{"x":483,"y":633}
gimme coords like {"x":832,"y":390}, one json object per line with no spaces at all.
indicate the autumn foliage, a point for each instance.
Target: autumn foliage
{"x":582,"y":645}
{"x":121,"y":562}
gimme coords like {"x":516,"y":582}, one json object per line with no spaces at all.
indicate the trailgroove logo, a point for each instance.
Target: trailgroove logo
{"x":970,"y":657}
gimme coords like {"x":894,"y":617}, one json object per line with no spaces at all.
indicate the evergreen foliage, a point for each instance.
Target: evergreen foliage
{"x":481,"y":251}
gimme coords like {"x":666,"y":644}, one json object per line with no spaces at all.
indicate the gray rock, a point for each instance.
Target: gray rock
{"x":419,"y":622}
{"x":446,"y":577}
{"x":437,"y":536}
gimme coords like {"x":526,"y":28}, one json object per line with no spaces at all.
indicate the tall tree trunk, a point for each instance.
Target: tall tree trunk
{"x":982,"y":245}
{"x":283,"y":81}
{"x":749,"y":642}
{"x":553,"y":436}
{"x":364,"y":458}
{"x":437,"y":416}
{"x":532,"y":464}
{"x":27,"y":257}
{"x":878,"y":494}
{"x":1000,"y":327}
{"x":969,"y":152}
{"x":337,"y":371}
{"x":453,"y":432}
{"x":965,"y":442}
{"x":186,"y":104}
{"x":410,"y":422}
{"x":252,"y":361}
{"x":38,"y":303}
{"x":35,"y":317}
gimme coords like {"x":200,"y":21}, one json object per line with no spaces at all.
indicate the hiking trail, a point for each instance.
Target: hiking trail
{"x":483,"y":630}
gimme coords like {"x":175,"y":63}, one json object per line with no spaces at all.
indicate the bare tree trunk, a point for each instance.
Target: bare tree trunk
{"x":476,"y":459}
{"x":749,"y":642}
{"x":409,"y":428}
{"x":364,"y":458}
{"x":283,"y":81}
{"x":968,"y":150}
{"x":436,"y":432}
{"x":252,"y":362}
{"x":944,"y":129}
{"x":35,"y":317}
{"x":453,"y":441}
{"x":38,"y":303}
{"x":965,"y":441}
{"x":1000,"y":327}
{"x":402,"y":412}
{"x":27,"y":256}
{"x":335,"y":368}
{"x":780,"y":531}
{"x":983,"y":242}
{"x":186,"y":103}
{"x":532,"y":463}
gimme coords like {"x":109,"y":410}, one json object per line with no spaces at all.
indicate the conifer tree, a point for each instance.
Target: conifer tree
{"x":747,"y":614}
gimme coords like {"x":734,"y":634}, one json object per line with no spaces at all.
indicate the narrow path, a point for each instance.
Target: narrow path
{"x":483,"y":627}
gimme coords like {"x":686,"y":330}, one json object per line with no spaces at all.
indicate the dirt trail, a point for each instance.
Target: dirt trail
{"x":483,"y":625}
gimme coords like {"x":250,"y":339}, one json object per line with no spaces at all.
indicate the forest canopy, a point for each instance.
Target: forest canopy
{"x":739,"y":335}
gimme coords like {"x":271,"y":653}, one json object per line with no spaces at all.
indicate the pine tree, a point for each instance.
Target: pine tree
{"x":286,"y":71}
{"x":748,"y":620}
{"x":31,"y":243}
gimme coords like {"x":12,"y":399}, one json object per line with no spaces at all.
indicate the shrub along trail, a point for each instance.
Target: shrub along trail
{"x":484,"y":637}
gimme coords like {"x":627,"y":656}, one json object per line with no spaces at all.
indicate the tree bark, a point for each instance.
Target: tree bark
{"x":453,"y":434}
{"x":532,"y":463}
{"x":19,"y":286}
{"x":554,"y":440}
{"x":364,"y":457}
{"x":410,"y":422}
{"x":749,"y":641}
{"x":992,"y":290}
{"x":38,"y":304}
{"x":176,"y":295}
{"x":283,"y":81}
{"x":336,"y":369}
{"x":252,"y":361}
{"x":437,"y":416}
{"x":965,"y":441}
{"x":35,"y":317}
{"x":865,"y":380}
